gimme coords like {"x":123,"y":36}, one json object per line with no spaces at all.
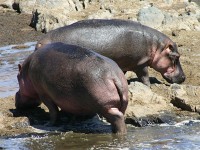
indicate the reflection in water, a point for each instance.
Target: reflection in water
{"x":10,"y":57}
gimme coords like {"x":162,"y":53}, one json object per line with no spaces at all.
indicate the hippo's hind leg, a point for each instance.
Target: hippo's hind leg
{"x":53,"y":110}
{"x":116,"y":118}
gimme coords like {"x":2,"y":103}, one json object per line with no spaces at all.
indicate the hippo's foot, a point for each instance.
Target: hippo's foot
{"x":116,"y":118}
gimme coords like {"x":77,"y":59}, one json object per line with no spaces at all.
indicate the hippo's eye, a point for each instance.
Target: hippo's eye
{"x":174,"y":57}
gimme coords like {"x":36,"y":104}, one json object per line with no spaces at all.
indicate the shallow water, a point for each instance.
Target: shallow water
{"x":183,"y":135}
{"x":180,"y":136}
{"x":10,"y":57}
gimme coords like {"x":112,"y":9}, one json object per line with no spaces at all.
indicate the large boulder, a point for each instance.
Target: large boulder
{"x":161,"y":103}
{"x":145,"y":106}
{"x":151,"y":16}
{"x":183,"y":19}
{"x":51,"y":14}
{"x":185,"y":97}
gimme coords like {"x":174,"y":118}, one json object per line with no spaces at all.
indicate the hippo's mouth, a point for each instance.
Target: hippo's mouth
{"x":174,"y":75}
{"x":169,"y":74}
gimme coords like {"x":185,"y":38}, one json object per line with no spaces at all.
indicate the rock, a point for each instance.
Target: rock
{"x":151,"y":16}
{"x":169,"y":18}
{"x":187,"y":23}
{"x":170,"y":2}
{"x":186,"y":97}
{"x":162,"y":117}
{"x":51,"y":14}
{"x":21,"y":122}
{"x":48,"y":15}
{"x":182,"y":19}
{"x":101,"y":14}
{"x":48,"y":20}
{"x":28,"y":6}
{"x":6,"y":3}
{"x":145,"y":105}
{"x":196,"y":1}
{"x":130,"y":74}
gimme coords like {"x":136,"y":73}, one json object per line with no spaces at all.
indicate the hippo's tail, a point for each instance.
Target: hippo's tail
{"x":122,"y":89}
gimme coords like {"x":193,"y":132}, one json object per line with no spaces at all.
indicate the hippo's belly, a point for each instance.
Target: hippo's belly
{"x":74,"y":106}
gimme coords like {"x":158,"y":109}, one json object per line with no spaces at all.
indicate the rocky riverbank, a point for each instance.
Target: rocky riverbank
{"x":160,"y":103}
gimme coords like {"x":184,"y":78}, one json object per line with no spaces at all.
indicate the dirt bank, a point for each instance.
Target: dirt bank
{"x":15,"y":28}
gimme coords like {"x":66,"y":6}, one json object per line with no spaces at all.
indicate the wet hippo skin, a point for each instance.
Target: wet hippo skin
{"x":132,"y":45}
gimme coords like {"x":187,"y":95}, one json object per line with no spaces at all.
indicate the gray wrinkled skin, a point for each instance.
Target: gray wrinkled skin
{"x":132,"y":45}
{"x":77,"y":80}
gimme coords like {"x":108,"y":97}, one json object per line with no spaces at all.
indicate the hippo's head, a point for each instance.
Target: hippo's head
{"x":25,"y":97}
{"x":24,"y":102}
{"x":167,"y":63}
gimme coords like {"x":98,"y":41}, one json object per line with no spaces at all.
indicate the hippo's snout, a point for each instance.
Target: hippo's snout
{"x":182,"y":79}
{"x":177,"y":76}
{"x":175,"y":79}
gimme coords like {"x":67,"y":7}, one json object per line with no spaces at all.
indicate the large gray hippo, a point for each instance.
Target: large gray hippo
{"x":77,"y":80}
{"x":132,"y":45}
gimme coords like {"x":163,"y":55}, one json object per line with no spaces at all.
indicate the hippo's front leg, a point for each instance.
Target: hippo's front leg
{"x":143,"y":75}
{"x":116,"y":118}
{"x":53,"y":110}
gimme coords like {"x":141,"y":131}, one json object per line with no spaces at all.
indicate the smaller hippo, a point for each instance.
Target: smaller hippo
{"x":76,"y":80}
{"x":133,"y":46}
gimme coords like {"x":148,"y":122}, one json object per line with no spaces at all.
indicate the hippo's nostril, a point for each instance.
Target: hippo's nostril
{"x":182,"y":78}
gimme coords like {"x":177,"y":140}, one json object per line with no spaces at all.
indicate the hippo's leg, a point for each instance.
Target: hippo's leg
{"x":53,"y":110}
{"x":143,"y":75}
{"x":116,"y":118}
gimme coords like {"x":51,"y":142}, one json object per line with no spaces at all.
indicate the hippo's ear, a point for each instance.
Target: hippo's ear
{"x":19,"y":67}
{"x":173,"y":47}
{"x":173,"y":50}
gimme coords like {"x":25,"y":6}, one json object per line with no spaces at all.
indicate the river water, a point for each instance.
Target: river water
{"x":181,"y":136}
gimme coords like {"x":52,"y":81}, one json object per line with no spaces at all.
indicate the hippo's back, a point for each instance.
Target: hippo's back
{"x":98,"y":35}
{"x":108,"y":37}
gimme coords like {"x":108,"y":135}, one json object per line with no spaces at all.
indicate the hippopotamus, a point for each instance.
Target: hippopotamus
{"x":77,"y":80}
{"x":130,"y":44}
